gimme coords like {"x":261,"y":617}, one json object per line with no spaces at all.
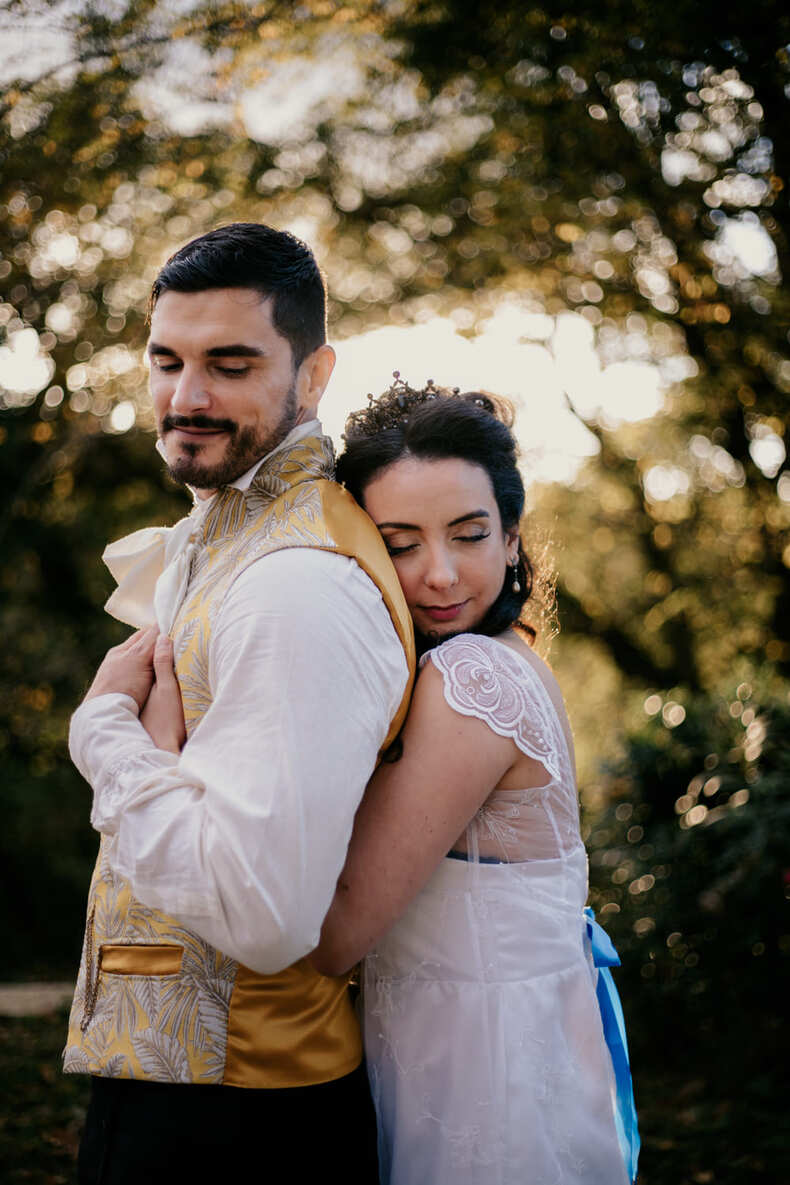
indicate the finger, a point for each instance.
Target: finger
{"x":145,"y":641}
{"x":131,"y":642}
{"x":163,"y":659}
{"x":126,"y":644}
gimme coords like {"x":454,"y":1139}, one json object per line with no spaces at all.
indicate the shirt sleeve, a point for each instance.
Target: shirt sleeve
{"x":243,"y":836}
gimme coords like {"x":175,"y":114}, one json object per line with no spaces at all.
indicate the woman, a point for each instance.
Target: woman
{"x":466,"y":876}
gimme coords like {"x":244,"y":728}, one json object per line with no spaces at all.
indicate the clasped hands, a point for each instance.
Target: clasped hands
{"x":142,"y":667}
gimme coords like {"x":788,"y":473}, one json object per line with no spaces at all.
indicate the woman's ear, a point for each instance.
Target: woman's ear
{"x":511,"y":544}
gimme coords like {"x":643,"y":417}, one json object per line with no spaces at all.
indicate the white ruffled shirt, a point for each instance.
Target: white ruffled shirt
{"x":151,"y":566}
{"x":243,"y":835}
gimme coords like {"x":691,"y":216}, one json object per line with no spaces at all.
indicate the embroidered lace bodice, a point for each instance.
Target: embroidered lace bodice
{"x":499,"y":685}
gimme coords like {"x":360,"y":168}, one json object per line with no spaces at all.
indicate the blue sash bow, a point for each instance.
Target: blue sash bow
{"x":604,"y":957}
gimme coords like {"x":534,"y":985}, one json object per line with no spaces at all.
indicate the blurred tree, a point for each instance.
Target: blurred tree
{"x":627,"y":152}
{"x":617,"y":165}
{"x":692,"y":839}
{"x":689,"y":874}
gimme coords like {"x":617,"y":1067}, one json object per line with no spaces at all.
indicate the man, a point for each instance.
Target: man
{"x":210,"y":1037}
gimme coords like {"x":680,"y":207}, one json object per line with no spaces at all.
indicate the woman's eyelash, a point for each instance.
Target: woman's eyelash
{"x":459,"y":539}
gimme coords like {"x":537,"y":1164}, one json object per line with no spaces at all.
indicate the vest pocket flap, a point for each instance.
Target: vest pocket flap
{"x":141,"y":959}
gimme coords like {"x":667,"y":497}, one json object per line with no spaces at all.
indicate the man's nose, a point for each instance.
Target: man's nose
{"x":190,"y":393}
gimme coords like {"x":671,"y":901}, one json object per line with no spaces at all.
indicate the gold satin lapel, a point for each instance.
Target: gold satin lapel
{"x":145,"y":959}
{"x":346,"y":521}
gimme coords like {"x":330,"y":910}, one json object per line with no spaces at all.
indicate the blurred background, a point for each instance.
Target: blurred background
{"x":584,"y":207}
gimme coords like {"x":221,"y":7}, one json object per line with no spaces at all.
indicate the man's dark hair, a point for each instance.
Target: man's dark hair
{"x":272,"y":262}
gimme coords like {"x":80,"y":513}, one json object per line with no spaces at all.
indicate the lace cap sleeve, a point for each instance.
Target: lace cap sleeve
{"x":486,"y":679}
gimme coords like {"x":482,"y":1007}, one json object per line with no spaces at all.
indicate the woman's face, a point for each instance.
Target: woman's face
{"x":442,"y":527}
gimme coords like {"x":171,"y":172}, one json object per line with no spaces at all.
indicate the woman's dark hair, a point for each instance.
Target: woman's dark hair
{"x":272,"y":262}
{"x":435,"y":423}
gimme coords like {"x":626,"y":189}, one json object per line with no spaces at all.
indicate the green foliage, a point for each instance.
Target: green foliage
{"x":690,"y":876}
{"x":42,"y":1110}
{"x":444,"y":157}
{"x":690,"y":872}
{"x":51,"y":616}
{"x":570,"y":158}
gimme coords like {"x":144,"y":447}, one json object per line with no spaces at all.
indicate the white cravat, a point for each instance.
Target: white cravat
{"x":152,"y":565}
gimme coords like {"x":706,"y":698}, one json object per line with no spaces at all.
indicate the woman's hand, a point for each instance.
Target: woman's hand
{"x":127,"y":669}
{"x":162,"y":716}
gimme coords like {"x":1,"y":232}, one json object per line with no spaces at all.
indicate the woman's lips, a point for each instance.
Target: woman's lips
{"x":442,"y":612}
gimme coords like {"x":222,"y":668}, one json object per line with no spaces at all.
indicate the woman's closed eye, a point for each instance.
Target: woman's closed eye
{"x":402,"y":548}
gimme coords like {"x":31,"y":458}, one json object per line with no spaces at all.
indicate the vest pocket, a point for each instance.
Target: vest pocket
{"x":140,"y":959}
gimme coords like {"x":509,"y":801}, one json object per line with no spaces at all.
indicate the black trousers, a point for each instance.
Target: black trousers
{"x":152,"y":1133}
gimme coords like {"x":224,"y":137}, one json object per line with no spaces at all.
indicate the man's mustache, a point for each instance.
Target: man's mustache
{"x":169,"y":422}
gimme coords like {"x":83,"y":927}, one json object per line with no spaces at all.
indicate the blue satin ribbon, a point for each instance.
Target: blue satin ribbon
{"x":604,"y":957}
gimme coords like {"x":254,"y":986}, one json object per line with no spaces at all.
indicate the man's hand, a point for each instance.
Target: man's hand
{"x":128,"y":669}
{"x":163,"y":714}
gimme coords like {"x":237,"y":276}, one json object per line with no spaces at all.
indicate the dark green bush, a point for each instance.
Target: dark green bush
{"x":690,"y":868}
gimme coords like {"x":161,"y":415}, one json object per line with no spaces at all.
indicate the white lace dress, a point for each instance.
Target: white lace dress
{"x":483,"y":1036}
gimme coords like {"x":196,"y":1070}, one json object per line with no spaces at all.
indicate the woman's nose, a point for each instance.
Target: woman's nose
{"x":441,"y":571}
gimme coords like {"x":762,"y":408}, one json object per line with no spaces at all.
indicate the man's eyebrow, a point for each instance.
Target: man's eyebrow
{"x":236,"y":350}
{"x":464,"y":518}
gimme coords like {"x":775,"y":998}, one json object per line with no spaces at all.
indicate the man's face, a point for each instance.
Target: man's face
{"x":222,"y":381}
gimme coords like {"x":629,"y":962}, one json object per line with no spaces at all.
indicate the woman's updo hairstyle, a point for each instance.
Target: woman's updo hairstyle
{"x":436,"y":423}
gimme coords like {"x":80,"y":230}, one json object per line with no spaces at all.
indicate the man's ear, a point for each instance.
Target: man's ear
{"x":311,"y":381}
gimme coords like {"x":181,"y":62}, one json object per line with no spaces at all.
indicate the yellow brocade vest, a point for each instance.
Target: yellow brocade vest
{"x":153,"y":1000}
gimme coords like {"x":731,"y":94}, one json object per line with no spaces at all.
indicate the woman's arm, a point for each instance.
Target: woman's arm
{"x":412,"y":812}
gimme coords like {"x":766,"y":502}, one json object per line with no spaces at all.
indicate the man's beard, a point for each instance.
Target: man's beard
{"x":245,"y":446}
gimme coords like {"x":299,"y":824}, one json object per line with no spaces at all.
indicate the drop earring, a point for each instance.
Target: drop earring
{"x":516,"y":586}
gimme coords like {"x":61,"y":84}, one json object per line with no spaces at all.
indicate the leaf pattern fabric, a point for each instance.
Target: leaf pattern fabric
{"x":138,"y":1021}
{"x":173,"y":1028}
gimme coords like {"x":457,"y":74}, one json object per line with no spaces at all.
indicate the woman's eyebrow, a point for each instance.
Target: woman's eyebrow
{"x":464,"y":518}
